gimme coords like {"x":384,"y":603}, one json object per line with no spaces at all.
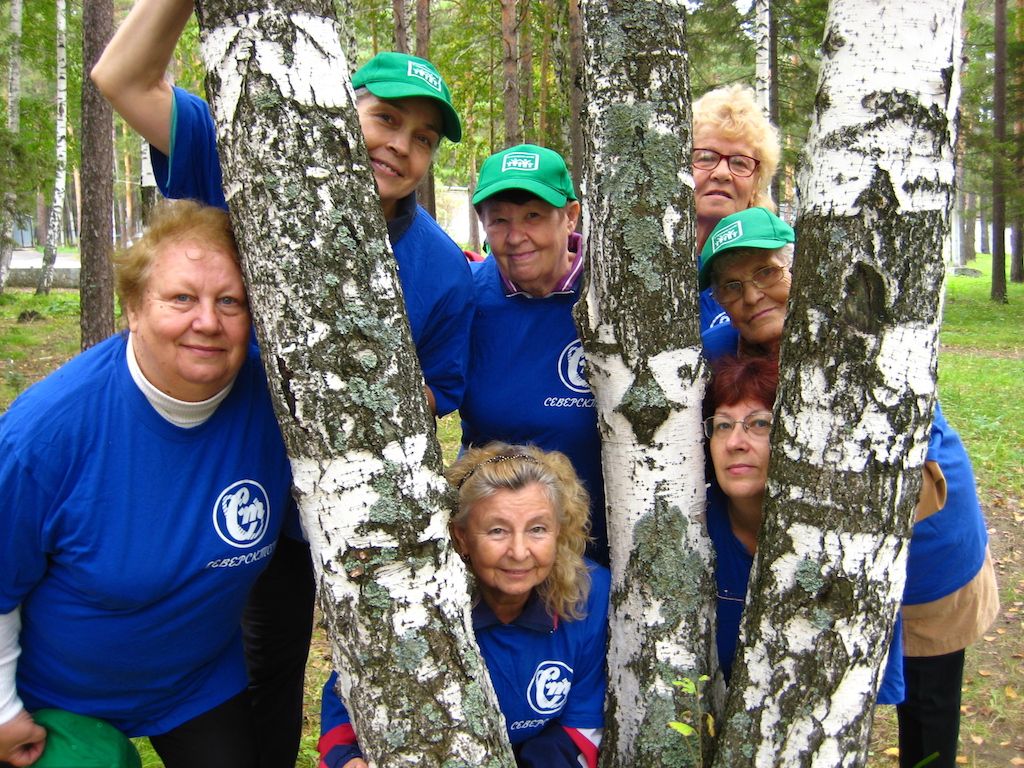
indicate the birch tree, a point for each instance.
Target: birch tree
{"x":60,"y":171}
{"x":638,"y":321}
{"x":346,"y":385}
{"x":8,"y":207}
{"x":762,"y":58}
{"x":856,"y":388}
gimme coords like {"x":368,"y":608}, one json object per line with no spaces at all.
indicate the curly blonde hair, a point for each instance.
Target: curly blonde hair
{"x":733,"y":112}
{"x":174,"y":221}
{"x":481,"y":472}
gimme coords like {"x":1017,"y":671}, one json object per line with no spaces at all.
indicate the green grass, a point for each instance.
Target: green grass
{"x":37,"y":334}
{"x":971,"y":319}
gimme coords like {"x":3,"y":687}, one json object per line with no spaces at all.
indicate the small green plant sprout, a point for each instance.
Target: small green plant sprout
{"x":692,"y":719}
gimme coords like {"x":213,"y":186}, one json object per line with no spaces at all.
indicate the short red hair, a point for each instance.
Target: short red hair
{"x":742,"y":378}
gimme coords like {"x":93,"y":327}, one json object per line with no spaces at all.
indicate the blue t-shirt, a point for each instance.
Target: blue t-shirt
{"x":732,"y":574}
{"x":131,"y":544}
{"x":432,"y":269}
{"x":527,"y":382}
{"x":542,"y":669}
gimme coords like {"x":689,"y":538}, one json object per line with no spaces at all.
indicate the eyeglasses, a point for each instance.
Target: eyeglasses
{"x":758,"y":424}
{"x":732,"y":291}
{"x":739,"y":165}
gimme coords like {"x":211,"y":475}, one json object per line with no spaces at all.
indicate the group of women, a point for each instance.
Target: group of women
{"x":158,"y":578}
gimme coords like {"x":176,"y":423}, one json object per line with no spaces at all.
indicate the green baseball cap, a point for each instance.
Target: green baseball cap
{"x":535,"y":169}
{"x":393,"y":75}
{"x":77,"y":741}
{"x":751,"y":228}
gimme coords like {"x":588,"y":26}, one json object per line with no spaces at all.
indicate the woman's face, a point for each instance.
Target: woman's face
{"x":758,"y":315}
{"x":190,"y":331}
{"x":719,"y":193}
{"x":401,"y":136}
{"x":530,"y":241}
{"x":510,"y":541}
{"x":740,"y":457}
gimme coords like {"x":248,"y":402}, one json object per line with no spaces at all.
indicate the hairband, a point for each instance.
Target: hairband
{"x":496,"y":460}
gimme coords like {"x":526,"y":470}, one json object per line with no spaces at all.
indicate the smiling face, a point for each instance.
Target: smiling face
{"x":740,"y":457}
{"x":759,"y":314}
{"x":401,"y":136}
{"x":190,"y":329}
{"x":510,"y":541}
{"x":719,"y":193}
{"x":530,"y":241}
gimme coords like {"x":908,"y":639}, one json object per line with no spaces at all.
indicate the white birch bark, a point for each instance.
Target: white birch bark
{"x":762,"y":53}
{"x":347,"y":385}
{"x":639,"y":325}
{"x":10,"y":201}
{"x":856,"y":388}
{"x":60,"y":168}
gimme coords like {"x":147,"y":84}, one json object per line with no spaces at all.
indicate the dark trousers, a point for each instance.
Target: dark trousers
{"x":277,"y":627}
{"x":929,"y":718}
{"x":223,"y":737}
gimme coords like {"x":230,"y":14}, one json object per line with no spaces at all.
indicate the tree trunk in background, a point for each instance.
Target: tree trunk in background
{"x":856,"y":390}
{"x":403,"y":21}
{"x":576,"y":95}
{"x":148,"y":194}
{"x":510,"y":70}
{"x":998,"y":293}
{"x":60,"y":172}
{"x":639,"y":323}
{"x":96,"y":280}
{"x":425,"y":193}
{"x":778,"y":183}
{"x":1017,"y":218}
{"x":986,"y":246}
{"x":9,"y":204}
{"x":544,"y":96}
{"x":347,"y":386}
{"x":526,"y":106}
{"x":763,"y":70}
{"x":474,"y":220}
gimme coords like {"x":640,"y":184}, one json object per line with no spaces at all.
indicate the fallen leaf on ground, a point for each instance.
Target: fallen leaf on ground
{"x":984,"y":673}
{"x":1010,"y":692}
{"x":891,"y":751}
{"x":977,"y":739}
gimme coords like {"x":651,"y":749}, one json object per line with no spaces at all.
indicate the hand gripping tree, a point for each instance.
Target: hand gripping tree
{"x":346,"y":384}
{"x":856,"y":390}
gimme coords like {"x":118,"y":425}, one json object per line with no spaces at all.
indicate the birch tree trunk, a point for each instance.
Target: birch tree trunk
{"x":403,"y":24}
{"x":638,"y":322}
{"x":762,"y":54}
{"x":998,"y":292}
{"x":576,"y":92}
{"x":9,"y":206}
{"x":96,"y":281}
{"x":60,"y":169}
{"x":856,"y":388}
{"x":347,"y":385}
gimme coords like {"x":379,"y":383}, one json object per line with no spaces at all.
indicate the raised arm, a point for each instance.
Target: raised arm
{"x":130,"y":73}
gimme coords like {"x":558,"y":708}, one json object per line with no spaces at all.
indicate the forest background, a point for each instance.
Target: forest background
{"x":510,"y":66}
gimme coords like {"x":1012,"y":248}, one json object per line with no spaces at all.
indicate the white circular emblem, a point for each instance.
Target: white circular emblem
{"x":570,"y":367}
{"x":549,"y":688}
{"x":242,"y":514}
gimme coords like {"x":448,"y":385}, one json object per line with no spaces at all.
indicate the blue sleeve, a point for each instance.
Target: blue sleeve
{"x":443,"y":348}
{"x":337,"y":743}
{"x":550,"y":748}
{"x":193,"y":169}
{"x":719,"y":340}
{"x":892,"y":689}
{"x":23,"y":517}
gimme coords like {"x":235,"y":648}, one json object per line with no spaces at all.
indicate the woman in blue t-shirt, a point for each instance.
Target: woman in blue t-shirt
{"x":539,"y":607}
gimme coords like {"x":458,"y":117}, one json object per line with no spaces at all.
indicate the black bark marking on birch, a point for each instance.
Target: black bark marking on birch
{"x":645,"y":405}
{"x":864,"y":302}
{"x":286,"y":378}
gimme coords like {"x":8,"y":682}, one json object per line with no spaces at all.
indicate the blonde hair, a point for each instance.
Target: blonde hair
{"x":174,"y":221}
{"x":733,"y":112}
{"x":481,"y":472}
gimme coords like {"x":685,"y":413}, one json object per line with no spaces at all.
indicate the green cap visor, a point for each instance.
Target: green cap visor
{"x":77,"y":741}
{"x":401,"y":76}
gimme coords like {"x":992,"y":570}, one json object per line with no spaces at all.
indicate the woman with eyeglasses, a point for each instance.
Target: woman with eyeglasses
{"x":735,"y":156}
{"x":950,"y":598}
{"x":740,"y":400}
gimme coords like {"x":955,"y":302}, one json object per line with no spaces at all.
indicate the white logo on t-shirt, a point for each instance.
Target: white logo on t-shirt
{"x":570,"y":367}
{"x":549,"y":688}
{"x":242,"y":514}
